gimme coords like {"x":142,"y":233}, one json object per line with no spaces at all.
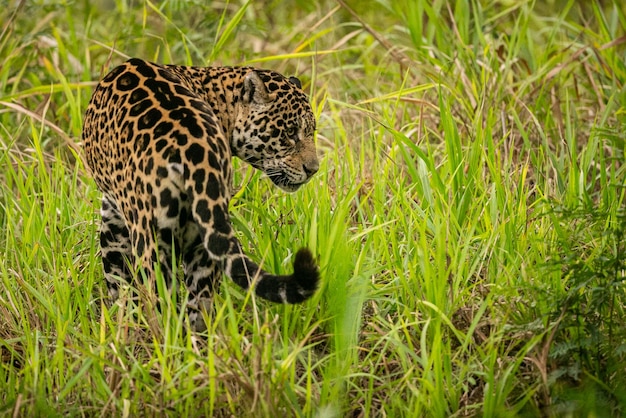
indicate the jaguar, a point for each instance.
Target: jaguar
{"x":159,"y":141}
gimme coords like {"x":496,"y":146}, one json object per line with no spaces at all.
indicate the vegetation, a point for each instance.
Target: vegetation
{"x":469,"y":215}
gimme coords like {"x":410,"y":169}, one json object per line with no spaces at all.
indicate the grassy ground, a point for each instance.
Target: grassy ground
{"x":468,"y":216}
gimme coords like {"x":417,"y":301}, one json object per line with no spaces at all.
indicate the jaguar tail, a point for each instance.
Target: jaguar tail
{"x":294,"y":288}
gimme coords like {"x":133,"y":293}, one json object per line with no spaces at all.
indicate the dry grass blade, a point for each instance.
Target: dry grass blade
{"x":11,"y":19}
{"x":395,"y":53}
{"x":41,"y":119}
{"x":574,"y":57}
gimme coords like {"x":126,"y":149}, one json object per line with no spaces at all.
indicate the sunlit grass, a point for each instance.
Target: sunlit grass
{"x":467,"y":217}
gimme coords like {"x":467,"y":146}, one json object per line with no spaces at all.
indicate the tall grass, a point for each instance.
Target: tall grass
{"x":468,"y":215}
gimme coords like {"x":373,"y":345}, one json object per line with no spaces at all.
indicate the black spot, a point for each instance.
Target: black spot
{"x":160,"y":144}
{"x":149,"y":119}
{"x":138,"y":185}
{"x":140,"y":246}
{"x":182,"y":90}
{"x":198,"y":178}
{"x":174,"y":157}
{"x":165,"y":198}
{"x":162,"y":172}
{"x":137,"y":95}
{"x":213,"y":187}
{"x":168,"y":75}
{"x":187,"y":119}
{"x":213,"y":146}
{"x":163,"y":128}
{"x":148,"y":171}
{"x":116,"y":230}
{"x":172,"y":210}
{"x":107,"y":266}
{"x":203,"y":210}
{"x":113,"y":74}
{"x":164,"y":95}
{"x":295,"y":81}
{"x":143,"y":142}
{"x":146,"y":70}
{"x":220,"y":220}
{"x":121,"y":115}
{"x":195,"y":153}
{"x":213,"y":162}
{"x":181,"y":139}
{"x":218,"y":244}
{"x":127,"y":81}
{"x":105,"y":238}
{"x":182,"y":217}
{"x":209,"y":127}
{"x":130,"y":134}
{"x":198,"y":104}
{"x":138,"y":108}
{"x":166,"y":235}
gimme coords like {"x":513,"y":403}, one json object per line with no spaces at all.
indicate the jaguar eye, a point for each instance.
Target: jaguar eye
{"x":292,"y":132}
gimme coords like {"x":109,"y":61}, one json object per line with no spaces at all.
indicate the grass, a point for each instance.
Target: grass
{"x":468,"y":216}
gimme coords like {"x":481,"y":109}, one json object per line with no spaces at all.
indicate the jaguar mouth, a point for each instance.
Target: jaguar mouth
{"x":285,"y":184}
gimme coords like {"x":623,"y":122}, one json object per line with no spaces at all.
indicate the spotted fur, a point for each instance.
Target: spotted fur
{"x":159,"y":139}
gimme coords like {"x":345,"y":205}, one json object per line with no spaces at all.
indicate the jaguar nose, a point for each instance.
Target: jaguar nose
{"x":311,"y":167}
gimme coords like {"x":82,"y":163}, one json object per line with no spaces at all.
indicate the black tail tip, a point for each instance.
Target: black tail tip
{"x":306,"y":273}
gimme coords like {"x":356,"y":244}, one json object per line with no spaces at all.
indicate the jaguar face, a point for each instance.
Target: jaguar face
{"x":275,"y":129}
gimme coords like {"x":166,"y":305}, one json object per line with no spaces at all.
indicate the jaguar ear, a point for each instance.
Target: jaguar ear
{"x":254,"y":89}
{"x":295,"y":81}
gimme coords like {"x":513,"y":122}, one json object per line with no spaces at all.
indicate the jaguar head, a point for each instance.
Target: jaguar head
{"x":275,"y":128}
